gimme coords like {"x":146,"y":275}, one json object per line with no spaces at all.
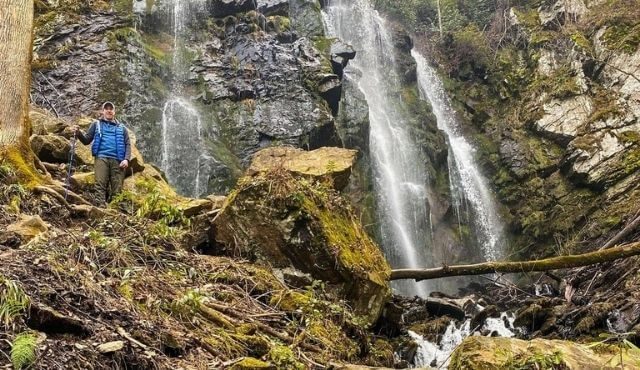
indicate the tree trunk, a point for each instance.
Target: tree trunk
{"x":554,"y":263}
{"x":16,"y":28}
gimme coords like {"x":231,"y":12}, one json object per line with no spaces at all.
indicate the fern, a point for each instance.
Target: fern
{"x":23,"y":350}
{"x":13,"y":302}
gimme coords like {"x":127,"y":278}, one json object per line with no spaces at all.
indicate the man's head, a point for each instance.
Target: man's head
{"x":108,"y":111}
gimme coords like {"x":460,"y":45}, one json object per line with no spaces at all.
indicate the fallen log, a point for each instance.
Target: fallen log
{"x":554,"y":263}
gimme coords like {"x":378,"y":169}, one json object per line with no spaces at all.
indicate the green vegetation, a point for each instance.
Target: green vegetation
{"x":23,"y":350}
{"x":536,"y":361}
{"x":13,"y":302}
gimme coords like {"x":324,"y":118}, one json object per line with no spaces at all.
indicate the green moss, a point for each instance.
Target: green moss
{"x":283,"y":358}
{"x":347,"y":238}
{"x":250,"y":363}
{"x":629,"y":137}
{"x":542,"y":37}
{"x":605,"y":106}
{"x":323,"y":44}
{"x":529,"y":18}
{"x":124,"y":7}
{"x":121,"y":35}
{"x":535,"y":360}
{"x":560,"y":84}
{"x":290,"y":301}
{"x":279,"y":23}
{"x":126,"y":290}
{"x":582,"y":42}
{"x":623,"y":37}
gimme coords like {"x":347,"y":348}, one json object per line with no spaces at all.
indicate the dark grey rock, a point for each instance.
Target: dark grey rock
{"x":306,"y":17}
{"x":223,"y":8}
{"x":444,"y":307}
{"x":353,"y":119}
{"x":273,"y":7}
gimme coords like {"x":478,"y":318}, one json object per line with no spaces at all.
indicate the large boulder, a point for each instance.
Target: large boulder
{"x":57,"y":149}
{"x":283,"y":220}
{"x":324,"y":163}
{"x":479,"y":352}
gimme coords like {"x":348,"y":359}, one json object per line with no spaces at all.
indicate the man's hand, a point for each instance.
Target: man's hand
{"x":75,"y":128}
{"x":124,"y":164}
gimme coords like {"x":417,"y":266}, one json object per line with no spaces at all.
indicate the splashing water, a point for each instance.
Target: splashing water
{"x":439,"y":354}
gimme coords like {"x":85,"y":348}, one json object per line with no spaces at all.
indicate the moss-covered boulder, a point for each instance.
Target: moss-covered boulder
{"x":483,"y":353}
{"x":328,"y":163}
{"x":57,"y":149}
{"x":283,"y":220}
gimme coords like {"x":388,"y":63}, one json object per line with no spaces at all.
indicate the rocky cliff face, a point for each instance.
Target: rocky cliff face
{"x":556,"y":114}
{"x":258,"y":73}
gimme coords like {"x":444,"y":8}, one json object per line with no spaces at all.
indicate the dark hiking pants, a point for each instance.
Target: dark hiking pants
{"x":109,"y":179}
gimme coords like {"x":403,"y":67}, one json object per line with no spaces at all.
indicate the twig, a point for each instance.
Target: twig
{"x":315,"y":364}
{"x":624,"y":232}
{"x":128,"y":337}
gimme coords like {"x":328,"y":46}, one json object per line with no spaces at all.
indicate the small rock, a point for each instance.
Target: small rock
{"x":28,"y":227}
{"x":111,"y":347}
{"x":442,"y":307}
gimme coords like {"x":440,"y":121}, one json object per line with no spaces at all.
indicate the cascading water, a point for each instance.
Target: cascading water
{"x":439,"y":354}
{"x":400,"y":174}
{"x":468,"y":186}
{"x":182,"y":145}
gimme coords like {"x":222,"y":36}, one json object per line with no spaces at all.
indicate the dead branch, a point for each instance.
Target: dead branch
{"x":262,"y":326}
{"x":554,"y":263}
{"x":623,"y":233}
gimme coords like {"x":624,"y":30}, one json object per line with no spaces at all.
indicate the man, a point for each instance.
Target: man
{"x":111,"y":149}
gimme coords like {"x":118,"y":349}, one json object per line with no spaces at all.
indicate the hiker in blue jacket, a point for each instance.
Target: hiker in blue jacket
{"x":111,"y":149}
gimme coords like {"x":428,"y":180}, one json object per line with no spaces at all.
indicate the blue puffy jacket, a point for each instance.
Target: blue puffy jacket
{"x":110,"y":140}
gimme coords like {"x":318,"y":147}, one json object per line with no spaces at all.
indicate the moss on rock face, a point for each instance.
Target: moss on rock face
{"x":287,"y":221}
{"x":479,"y":353}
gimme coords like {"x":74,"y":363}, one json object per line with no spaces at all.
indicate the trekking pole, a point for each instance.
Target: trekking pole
{"x":69,"y":167}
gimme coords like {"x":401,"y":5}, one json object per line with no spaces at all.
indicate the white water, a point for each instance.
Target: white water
{"x":439,"y":354}
{"x":399,"y":170}
{"x":468,"y":186}
{"x":182,"y":146}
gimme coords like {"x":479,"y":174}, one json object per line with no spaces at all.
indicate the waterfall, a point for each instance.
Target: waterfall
{"x":469,"y":188}
{"x":399,"y":170}
{"x":183,"y":158}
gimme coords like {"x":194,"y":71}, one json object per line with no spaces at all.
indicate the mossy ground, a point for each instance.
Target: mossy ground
{"x":125,"y":270}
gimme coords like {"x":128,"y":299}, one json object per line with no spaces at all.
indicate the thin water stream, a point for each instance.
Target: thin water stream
{"x":183,"y":159}
{"x":468,"y":187}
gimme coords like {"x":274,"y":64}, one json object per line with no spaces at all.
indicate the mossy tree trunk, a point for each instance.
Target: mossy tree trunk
{"x":554,"y":263}
{"x":16,"y":29}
